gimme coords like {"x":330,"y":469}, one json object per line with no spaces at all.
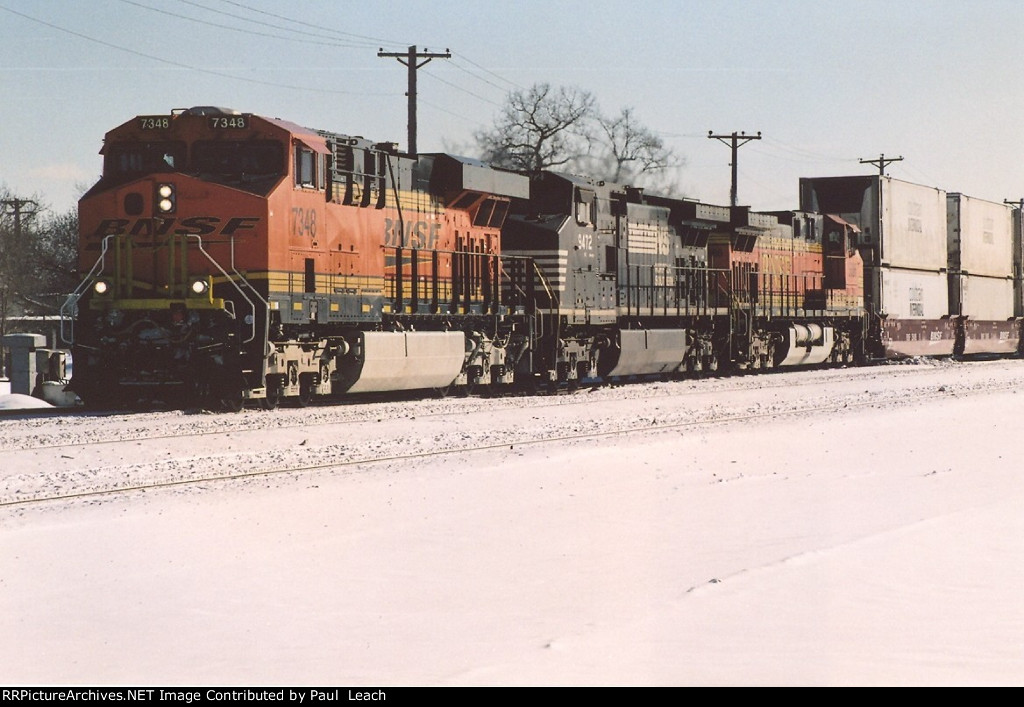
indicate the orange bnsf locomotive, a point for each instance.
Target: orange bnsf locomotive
{"x":233,"y":258}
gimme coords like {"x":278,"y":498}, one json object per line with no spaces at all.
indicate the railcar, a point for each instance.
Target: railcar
{"x":981,"y":241}
{"x":940,"y":271}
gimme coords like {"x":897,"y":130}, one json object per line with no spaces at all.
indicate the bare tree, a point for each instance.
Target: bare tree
{"x":540,"y":128}
{"x":37,"y":258}
{"x":634,"y":152}
{"x":53,"y":253}
{"x":546,"y":128}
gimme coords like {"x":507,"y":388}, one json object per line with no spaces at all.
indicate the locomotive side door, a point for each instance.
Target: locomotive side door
{"x":582,"y":286}
{"x":308,"y":262}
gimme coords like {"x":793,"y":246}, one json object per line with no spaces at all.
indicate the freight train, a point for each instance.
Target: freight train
{"x":229,"y":258}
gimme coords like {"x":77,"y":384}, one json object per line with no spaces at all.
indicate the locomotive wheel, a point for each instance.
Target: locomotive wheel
{"x":694,"y":364}
{"x":494,"y":389}
{"x":273,"y":399}
{"x":98,"y":402}
{"x":444,"y":391}
{"x":232,"y":401}
{"x":573,"y":384}
{"x":528,"y":384}
{"x":306,"y":394}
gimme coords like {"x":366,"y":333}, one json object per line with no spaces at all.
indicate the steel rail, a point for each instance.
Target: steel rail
{"x":838,"y":406}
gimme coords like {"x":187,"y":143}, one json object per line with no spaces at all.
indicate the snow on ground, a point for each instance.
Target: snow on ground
{"x":18,"y":401}
{"x":800,"y":543}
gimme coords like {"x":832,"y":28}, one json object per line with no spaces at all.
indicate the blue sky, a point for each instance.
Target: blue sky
{"x":826,"y":82}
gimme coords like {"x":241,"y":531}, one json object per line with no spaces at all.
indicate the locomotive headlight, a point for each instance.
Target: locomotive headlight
{"x":101,"y":287}
{"x":199,"y":287}
{"x":166,"y":201}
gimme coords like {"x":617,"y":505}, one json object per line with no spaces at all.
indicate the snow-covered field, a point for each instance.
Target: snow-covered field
{"x":845,"y":527}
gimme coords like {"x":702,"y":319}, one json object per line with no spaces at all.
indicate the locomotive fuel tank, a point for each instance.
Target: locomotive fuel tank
{"x":806,"y":345}
{"x":646,"y":352}
{"x":383,"y":361}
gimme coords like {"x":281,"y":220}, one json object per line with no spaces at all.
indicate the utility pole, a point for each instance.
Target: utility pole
{"x":882,"y":163}
{"x":411,"y":59}
{"x":16,"y":208}
{"x":735,"y":140}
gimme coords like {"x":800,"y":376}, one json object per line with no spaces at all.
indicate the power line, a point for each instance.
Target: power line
{"x":322,"y":36}
{"x":513,"y":84}
{"x":305,"y":36}
{"x":335,"y":39}
{"x":182,"y":65}
{"x":369,"y":40}
{"x":808,"y":155}
{"x":466,"y":116}
{"x":464,"y":90}
{"x":217,"y":25}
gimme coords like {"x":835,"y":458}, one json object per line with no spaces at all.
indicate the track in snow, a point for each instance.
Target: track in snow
{"x":131,"y":454}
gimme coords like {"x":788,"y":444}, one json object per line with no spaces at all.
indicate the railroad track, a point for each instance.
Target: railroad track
{"x":48,"y":430}
{"x":116,"y":481}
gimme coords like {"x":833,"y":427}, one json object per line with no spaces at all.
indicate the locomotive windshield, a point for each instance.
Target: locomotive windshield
{"x":252,"y":165}
{"x":227,"y":159}
{"x":131,"y":158}
{"x":491,"y":213}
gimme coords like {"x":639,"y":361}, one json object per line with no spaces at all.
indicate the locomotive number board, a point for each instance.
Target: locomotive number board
{"x":228,"y":122}
{"x":154,"y":122}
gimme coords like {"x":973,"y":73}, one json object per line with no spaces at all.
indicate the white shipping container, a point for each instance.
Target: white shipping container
{"x":912,"y":294}
{"x":980,"y":236}
{"x":913,"y":223}
{"x":904,"y":223}
{"x":985,"y":298}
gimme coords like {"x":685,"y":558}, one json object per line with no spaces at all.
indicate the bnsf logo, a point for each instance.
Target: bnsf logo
{"x":411,"y":234}
{"x":193,"y":226}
